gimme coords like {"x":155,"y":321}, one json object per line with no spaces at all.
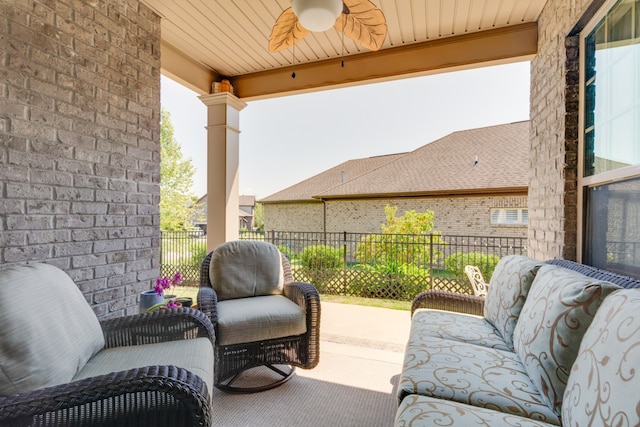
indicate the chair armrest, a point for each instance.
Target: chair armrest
{"x":450,"y":301}
{"x":208,"y":302}
{"x":157,"y":326}
{"x":306,"y":296}
{"x":129,"y":397}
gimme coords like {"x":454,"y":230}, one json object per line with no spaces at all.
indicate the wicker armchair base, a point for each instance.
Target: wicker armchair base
{"x":243,"y":361}
{"x":256,"y":382}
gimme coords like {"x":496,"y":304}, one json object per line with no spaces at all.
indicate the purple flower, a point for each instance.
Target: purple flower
{"x":159,"y":290}
{"x":177,"y":279}
{"x":164,"y":282}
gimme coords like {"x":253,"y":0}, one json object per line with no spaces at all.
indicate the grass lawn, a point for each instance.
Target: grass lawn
{"x":192,"y":291}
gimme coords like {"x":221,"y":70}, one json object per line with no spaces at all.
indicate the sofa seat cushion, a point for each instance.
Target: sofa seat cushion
{"x":471,"y":374}
{"x":195,"y":355}
{"x":246,"y":268}
{"x":559,"y":309}
{"x":455,"y":326}
{"x":261,"y":318}
{"x":423,"y":411}
{"x":603,"y":384}
{"x":508,"y":290}
{"x":49,"y":336}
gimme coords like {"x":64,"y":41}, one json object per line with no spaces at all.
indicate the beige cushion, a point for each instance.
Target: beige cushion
{"x":559,"y":309}
{"x":246,"y":268}
{"x":508,"y":289}
{"x":49,"y":335}
{"x":195,"y":355}
{"x":259,"y":318}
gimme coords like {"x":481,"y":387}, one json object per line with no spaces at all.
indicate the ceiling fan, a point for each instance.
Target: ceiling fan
{"x":360,"y":20}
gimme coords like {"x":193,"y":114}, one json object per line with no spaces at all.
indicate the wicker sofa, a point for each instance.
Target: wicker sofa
{"x":61,"y":366}
{"x":559,"y":344}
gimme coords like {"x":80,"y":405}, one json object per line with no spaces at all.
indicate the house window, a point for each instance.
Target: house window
{"x":609,"y":176}
{"x":509,"y":216}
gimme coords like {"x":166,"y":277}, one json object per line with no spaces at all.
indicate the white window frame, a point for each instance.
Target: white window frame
{"x":522,"y":218}
{"x":584,"y":183}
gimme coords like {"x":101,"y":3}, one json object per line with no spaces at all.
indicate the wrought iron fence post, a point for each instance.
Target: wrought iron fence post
{"x":431,"y":261}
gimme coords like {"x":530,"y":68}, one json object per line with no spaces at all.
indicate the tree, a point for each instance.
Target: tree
{"x":403,"y":245}
{"x":176,"y":179}
{"x":258,"y":216}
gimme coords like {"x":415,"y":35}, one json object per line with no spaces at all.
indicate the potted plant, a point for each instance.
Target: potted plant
{"x":164,"y":284}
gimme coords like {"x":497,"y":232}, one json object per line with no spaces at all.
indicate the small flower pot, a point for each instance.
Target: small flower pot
{"x":149,"y":299}
{"x":185,"y":301}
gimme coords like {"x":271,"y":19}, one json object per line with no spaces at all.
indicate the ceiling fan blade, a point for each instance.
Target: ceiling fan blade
{"x":286,"y":31}
{"x":365,"y":24}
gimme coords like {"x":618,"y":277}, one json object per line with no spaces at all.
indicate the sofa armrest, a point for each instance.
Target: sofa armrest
{"x":450,"y":301}
{"x":185,"y":396}
{"x":157,"y":326}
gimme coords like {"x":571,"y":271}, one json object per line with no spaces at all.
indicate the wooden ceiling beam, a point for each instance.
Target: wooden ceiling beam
{"x":501,"y":45}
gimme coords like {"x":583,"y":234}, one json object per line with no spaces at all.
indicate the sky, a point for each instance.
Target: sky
{"x":288,"y":139}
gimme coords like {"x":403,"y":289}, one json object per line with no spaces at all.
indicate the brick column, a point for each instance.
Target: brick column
{"x":223,"y":136}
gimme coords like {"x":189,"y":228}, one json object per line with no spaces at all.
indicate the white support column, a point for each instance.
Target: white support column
{"x":223,"y":142}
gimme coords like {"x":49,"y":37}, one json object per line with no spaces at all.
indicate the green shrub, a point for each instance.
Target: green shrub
{"x":320,"y":264}
{"x":486,"y":262}
{"x":286,"y":251}
{"x":400,"y":282}
{"x":321,"y":256}
{"x":197,"y":251}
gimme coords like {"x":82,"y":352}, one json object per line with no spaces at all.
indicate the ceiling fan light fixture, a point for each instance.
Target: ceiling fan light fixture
{"x":317,"y":15}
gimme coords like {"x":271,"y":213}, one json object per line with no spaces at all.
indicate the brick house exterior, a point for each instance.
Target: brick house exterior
{"x":442,"y":176}
{"x":80,"y":144}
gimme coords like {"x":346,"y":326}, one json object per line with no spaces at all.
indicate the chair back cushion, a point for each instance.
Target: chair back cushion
{"x":48,"y":329}
{"x":603,"y":385}
{"x":508,"y":289}
{"x":559,"y":309}
{"x":246,"y":268}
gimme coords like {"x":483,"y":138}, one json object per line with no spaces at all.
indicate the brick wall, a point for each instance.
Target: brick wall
{"x":294,"y":216}
{"x":553,"y":205}
{"x":79,"y":143}
{"x":461,"y":215}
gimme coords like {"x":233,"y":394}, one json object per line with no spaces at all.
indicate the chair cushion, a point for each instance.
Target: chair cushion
{"x":423,"y":411}
{"x":195,"y":355}
{"x":246,"y":268}
{"x":471,"y":374}
{"x":508,"y":289}
{"x":49,"y":336}
{"x":603,"y":384}
{"x":259,"y":318}
{"x":457,"y":327}
{"x":559,"y":309}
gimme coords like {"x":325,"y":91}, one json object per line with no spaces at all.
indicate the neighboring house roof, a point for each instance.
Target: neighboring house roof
{"x":445,"y":166}
{"x":305,"y":190}
{"x":448,"y":166}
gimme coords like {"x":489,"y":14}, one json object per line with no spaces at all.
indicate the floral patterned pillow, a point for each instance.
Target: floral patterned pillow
{"x":603,"y":384}
{"x":508,"y":290}
{"x":559,"y":309}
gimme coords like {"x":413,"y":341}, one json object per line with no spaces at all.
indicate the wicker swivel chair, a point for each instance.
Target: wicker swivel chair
{"x":261,"y":316}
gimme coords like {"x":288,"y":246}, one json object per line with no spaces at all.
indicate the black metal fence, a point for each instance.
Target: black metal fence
{"x":394,"y":266}
{"x":183,"y":251}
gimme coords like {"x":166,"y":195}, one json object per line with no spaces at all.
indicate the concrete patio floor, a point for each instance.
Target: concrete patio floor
{"x":361,"y":331}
